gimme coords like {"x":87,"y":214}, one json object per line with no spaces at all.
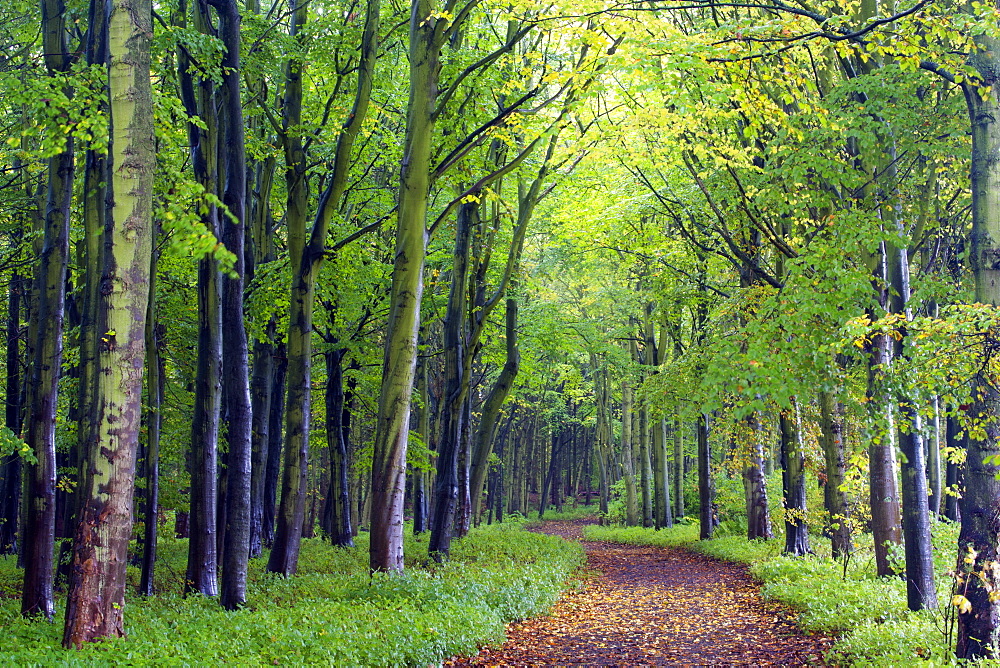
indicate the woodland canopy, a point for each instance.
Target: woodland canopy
{"x":309,"y":268}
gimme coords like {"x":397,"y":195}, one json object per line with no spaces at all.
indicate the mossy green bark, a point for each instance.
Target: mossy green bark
{"x":97,"y":586}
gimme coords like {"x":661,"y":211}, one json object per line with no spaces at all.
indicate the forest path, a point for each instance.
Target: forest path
{"x":647,"y":606}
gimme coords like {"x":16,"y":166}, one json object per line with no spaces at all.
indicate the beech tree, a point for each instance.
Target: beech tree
{"x":97,"y":589}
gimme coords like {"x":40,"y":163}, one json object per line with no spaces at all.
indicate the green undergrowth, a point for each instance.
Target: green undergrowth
{"x":332,"y":613}
{"x":868,"y":614}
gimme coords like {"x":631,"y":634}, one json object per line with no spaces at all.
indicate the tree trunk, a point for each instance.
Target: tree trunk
{"x":50,"y":288}
{"x":235,"y":352}
{"x":338,"y":495}
{"x":706,"y":484}
{"x":419,"y":475}
{"x":155,"y":384}
{"x":274,"y":445}
{"x":456,"y":387}
{"x":91,"y":250}
{"x":793,"y":477}
{"x":646,"y":465}
{"x":884,"y":493}
{"x":94,"y":607}
{"x":755,"y":484}
{"x":393,"y":417}
{"x":631,"y":499}
{"x":953,"y":480}
{"x":678,"y":470}
{"x":202,"y":564}
{"x":934,"y":480}
{"x":10,"y":466}
{"x":835,"y":498}
{"x":490,"y":418}
{"x":979,"y":540}
{"x":261,"y":398}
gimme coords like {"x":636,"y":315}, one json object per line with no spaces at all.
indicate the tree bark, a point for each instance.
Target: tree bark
{"x":153,"y":419}
{"x":202,"y":564}
{"x":755,"y":484}
{"x":10,"y":489}
{"x":94,"y":607}
{"x":953,"y":482}
{"x":274,"y":445}
{"x":631,"y":499}
{"x":979,"y":539}
{"x":306,"y":259}
{"x":399,"y":362}
{"x":834,"y":496}
{"x":793,"y":477}
{"x":456,"y":387}
{"x":50,"y":288}
{"x":338,"y":495}
{"x":706,"y":484}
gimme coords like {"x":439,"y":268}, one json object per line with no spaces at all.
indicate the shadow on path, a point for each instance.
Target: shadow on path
{"x":645,"y":605}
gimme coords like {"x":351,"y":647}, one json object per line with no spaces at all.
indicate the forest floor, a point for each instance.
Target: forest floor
{"x":640,"y":605}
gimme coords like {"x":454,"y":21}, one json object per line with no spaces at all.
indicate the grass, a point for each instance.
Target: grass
{"x":869,"y":614}
{"x":332,"y":613}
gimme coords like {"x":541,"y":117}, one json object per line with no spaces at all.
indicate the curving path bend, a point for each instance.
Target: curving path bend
{"x":651,"y":606}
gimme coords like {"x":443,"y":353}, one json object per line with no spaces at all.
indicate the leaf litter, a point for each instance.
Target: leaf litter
{"x":641,"y":605}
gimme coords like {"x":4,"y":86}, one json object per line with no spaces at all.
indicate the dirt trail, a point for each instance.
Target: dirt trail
{"x":656,"y":606}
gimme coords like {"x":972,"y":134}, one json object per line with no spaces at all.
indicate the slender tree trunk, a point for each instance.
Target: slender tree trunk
{"x":934,"y":480}
{"x":393,"y":418}
{"x":706,"y":484}
{"x":290,"y":518}
{"x":260,"y":398}
{"x":793,"y":462}
{"x":490,"y":419}
{"x":835,"y":498}
{"x":884,"y":494}
{"x":235,"y":351}
{"x":306,"y":258}
{"x":338,"y":496}
{"x":91,"y":249}
{"x":50,"y":287}
{"x":94,"y":607}
{"x":274,"y":445}
{"x":953,"y":480}
{"x":755,"y":484}
{"x":979,"y":539}
{"x":678,"y":470}
{"x":645,"y":462}
{"x":631,"y":500}
{"x":202,"y":564}
{"x":155,"y":384}
{"x":446,"y":483}
{"x":10,"y":490}
{"x":420,"y":504}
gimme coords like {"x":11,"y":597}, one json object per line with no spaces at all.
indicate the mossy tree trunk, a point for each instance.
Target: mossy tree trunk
{"x":427,"y":35}
{"x":834,"y":496}
{"x":306,"y":257}
{"x":96,"y":598}
{"x":50,"y":289}
{"x":979,"y":539}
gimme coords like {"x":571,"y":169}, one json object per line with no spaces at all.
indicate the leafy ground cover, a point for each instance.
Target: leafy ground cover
{"x":332,"y":613}
{"x":868,"y":614}
{"x":651,"y":605}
